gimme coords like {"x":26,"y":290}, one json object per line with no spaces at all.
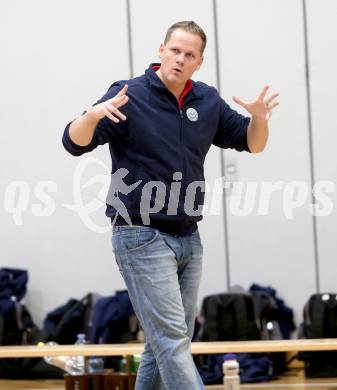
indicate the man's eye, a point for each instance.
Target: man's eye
{"x":175,"y":50}
{"x":190,"y":55}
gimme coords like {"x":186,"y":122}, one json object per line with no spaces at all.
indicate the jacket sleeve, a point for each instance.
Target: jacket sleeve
{"x":232,"y":129}
{"x":105,"y":131}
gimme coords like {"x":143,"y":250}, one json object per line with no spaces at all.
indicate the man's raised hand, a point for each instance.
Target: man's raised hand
{"x":262,"y":107}
{"x":109,"y":108}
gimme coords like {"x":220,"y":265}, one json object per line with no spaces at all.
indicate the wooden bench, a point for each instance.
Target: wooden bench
{"x":197,"y":348}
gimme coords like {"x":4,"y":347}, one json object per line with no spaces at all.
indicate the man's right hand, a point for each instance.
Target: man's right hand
{"x":82,"y":129}
{"x":109,"y":108}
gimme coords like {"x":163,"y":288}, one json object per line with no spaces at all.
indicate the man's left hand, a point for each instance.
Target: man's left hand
{"x":262,"y":108}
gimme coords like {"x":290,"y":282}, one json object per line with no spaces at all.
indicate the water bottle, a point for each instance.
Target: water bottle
{"x":75,"y":365}
{"x":95,"y":365}
{"x":231,"y":372}
{"x":58,"y":361}
{"x":123,"y":364}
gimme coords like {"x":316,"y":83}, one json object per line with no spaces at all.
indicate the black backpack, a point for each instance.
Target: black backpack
{"x":268,"y":316}
{"x":64,"y":323}
{"x":320,"y":316}
{"x":320,"y":321}
{"x":276,"y":319}
{"x":62,"y":326}
{"x":16,"y":324}
{"x":228,"y":317}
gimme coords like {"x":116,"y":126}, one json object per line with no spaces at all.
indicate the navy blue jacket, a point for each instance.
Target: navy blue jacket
{"x":158,"y":139}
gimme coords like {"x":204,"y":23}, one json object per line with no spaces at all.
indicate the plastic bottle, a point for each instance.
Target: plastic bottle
{"x":58,"y":361}
{"x":75,"y":365}
{"x":95,"y":365}
{"x":123,"y":364}
{"x":231,"y":372}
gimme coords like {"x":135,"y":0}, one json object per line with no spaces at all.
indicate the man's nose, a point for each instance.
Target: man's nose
{"x":180,"y":58}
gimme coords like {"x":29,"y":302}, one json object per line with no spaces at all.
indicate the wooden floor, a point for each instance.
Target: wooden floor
{"x":294,"y":379}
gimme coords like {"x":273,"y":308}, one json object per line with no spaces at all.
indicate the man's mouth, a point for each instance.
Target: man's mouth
{"x":177,"y":70}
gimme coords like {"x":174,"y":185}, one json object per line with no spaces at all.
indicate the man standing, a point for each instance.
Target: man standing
{"x":161,"y":137}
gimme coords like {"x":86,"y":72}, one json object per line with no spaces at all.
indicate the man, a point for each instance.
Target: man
{"x":161,"y":137}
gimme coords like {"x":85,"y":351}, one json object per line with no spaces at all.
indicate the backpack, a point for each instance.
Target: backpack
{"x":114,"y":320}
{"x":320,"y":316}
{"x":320,"y":321}
{"x":62,"y":326}
{"x":16,"y":324}
{"x":266,"y":315}
{"x":18,"y":328}
{"x":231,"y":317}
{"x":228,"y":317}
{"x":64,"y":323}
{"x":275,"y":321}
{"x":225,"y":317}
{"x":240,"y":316}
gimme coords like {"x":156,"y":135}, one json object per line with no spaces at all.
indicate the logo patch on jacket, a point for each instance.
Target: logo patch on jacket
{"x":192,"y":114}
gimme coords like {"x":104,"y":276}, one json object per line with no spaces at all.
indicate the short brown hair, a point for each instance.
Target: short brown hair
{"x":191,"y":27}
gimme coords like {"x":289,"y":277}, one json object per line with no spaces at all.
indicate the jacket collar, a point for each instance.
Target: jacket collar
{"x":155,"y":82}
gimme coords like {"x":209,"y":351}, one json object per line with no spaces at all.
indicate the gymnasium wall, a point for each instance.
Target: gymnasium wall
{"x":58,"y":58}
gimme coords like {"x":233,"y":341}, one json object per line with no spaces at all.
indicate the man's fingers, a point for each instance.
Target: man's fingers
{"x":118,"y":101}
{"x":268,"y":115}
{"x":121,"y":101}
{"x":122,"y":91}
{"x":111,"y":117}
{"x":263,"y":93}
{"x":239,"y":101}
{"x":114,"y":110}
{"x":273,"y":105}
{"x":120,"y":95}
{"x":269,"y":100}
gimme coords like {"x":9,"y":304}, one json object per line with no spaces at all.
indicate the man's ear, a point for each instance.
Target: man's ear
{"x":200,"y":63}
{"x":160,"y":51}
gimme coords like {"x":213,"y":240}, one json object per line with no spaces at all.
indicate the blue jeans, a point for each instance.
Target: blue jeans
{"x":162,"y":273}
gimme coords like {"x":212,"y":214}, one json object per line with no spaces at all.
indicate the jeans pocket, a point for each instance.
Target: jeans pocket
{"x":115,"y":242}
{"x":119,"y":265}
{"x":196,"y":242}
{"x":116,"y":252}
{"x":140,"y":239}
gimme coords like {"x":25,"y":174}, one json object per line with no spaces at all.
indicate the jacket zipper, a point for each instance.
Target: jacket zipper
{"x":183,"y":187}
{"x":184,"y":158}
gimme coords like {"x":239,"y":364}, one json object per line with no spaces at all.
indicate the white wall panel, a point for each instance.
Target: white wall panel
{"x":261,"y":42}
{"x":322,"y":33}
{"x":57,"y":58}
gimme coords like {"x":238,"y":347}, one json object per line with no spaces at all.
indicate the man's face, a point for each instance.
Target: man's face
{"x":180,"y":56}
